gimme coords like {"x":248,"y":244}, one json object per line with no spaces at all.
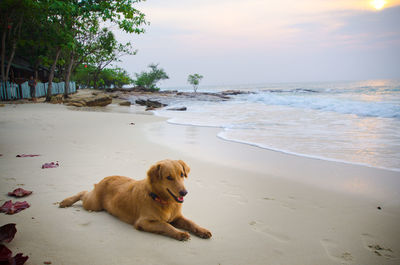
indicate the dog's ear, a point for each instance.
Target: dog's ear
{"x":154,"y":172}
{"x":186,"y":168}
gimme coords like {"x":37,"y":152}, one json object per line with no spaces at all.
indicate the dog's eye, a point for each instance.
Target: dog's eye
{"x":170,"y":178}
{"x":182,"y":174}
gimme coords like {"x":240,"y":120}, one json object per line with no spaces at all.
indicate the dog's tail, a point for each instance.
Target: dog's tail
{"x":73,"y":199}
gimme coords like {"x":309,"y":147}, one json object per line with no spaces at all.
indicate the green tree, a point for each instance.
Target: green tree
{"x":148,"y":80}
{"x":121,"y":13}
{"x":107,"y":50}
{"x":12,"y":16}
{"x":107,"y":78}
{"x":194,"y":80}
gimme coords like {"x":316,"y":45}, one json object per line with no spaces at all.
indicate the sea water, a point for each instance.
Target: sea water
{"x":351,"y":122}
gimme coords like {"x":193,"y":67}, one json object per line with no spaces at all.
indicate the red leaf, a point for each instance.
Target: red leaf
{"x":7,"y":233}
{"x":12,"y":208}
{"x":19,"y":259}
{"x":23,"y":155}
{"x":6,"y":259}
{"x":50,"y":165}
{"x":5,"y":254}
{"x":20,"y":193}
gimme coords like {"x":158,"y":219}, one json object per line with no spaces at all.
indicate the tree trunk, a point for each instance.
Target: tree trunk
{"x":17,"y":33}
{"x":3,"y":53}
{"x":51,"y":76}
{"x":95,"y":79}
{"x":68,"y":74}
{"x":3,"y":57}
{"x":10,"y":60}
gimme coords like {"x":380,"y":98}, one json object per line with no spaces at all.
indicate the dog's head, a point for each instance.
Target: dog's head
{"x":166,"y":179}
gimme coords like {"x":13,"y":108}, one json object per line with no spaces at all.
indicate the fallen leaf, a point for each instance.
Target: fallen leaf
{"x":20,"y":193}
{"x":7,"y":233}
{"x":7,"y":259}
{"x":5,"y":254}
{"x":12,"y":208}
{"x":50,"y":165}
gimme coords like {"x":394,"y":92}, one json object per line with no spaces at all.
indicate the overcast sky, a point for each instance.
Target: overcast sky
{"x":266,"y":41}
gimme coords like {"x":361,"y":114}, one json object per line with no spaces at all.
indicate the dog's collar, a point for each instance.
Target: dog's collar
{"x":157,"y":198}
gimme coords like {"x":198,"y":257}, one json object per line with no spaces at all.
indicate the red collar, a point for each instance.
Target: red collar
{"x":157,"y":198}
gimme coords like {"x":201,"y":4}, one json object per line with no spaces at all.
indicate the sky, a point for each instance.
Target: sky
{"x":232,"y":42}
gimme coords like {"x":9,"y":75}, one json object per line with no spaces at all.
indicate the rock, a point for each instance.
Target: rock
{"x":125,"y":103}
{"x":76,"y":104}
{"x":57,"y":99}
{"x":99,"y":100}
{"x":235,"y":92}
{"x":178,"y":109}
{"x":150,"y":104}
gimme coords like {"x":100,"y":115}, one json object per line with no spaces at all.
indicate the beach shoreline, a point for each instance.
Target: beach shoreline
{"x":263,"y":207}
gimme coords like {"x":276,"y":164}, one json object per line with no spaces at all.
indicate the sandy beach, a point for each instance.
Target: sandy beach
{"x":263,"y":207}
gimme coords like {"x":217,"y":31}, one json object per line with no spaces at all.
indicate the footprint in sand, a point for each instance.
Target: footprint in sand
{"x":233,"y":192}
{"x":236,"y":196}
{"x":335,"y":252}
{"x":262,"y":228}
{"x":376,"y":246}
{"x":288,"y":205}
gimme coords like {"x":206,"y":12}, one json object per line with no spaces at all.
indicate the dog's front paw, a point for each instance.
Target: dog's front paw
{"x":65,"y":203}
{"x":203,"y":233}
{"x":183,"y":236}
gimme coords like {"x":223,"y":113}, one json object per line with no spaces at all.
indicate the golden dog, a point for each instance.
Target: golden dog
{"x":152,"y":204}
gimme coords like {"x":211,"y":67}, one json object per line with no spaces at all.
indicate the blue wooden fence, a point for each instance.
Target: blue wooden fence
{"x":13,"y":91}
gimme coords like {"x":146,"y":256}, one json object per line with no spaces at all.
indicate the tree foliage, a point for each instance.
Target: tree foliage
{"x":64,"y":34}
{"x":194,"y":80}
{"x":107,"y":78}
{"x":148,"y":80}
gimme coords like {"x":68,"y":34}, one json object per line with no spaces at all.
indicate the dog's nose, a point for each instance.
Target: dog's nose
{"x":183,"y":193}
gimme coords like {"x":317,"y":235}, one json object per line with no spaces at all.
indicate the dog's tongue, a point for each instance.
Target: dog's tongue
{"x":180,"y":198}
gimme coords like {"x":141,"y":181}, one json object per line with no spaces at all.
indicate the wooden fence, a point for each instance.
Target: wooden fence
{"x":10,"y":91}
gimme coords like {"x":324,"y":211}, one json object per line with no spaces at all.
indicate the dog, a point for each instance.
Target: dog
{"x":152,"y":204}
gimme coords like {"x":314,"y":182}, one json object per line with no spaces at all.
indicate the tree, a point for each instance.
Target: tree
{"x":194,"y":80}
{"x":121,"y":13}
{"x":106,"y":50}
{"x":148,"y":80}
{"x":107,"y":78}
{"x":12,"y":15}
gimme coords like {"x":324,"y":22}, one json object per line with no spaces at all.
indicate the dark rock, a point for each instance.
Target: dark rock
{"x":150,"y":104}
{"x":235,"y":92}
{"x":178,"y":109}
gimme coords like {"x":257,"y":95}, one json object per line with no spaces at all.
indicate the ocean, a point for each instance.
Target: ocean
{"x":349,"y":122}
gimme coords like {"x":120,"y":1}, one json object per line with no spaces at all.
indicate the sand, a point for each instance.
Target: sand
{"x":262,"y":207}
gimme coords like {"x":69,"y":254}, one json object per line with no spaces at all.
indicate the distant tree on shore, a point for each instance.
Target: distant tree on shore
{"x":194,"y":80}
{"x":148,"y":80}
{"x":106,"y":78}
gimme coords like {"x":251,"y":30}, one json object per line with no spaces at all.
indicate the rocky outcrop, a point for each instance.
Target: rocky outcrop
{"x":98,"y":100}
{"x":57,"y":99}
{"x":235,"y":92}
{"x":150,"y":104}
{"x":125,"y":103}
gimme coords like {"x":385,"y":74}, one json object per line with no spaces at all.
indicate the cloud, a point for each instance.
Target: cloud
{"x":258,"y":40}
